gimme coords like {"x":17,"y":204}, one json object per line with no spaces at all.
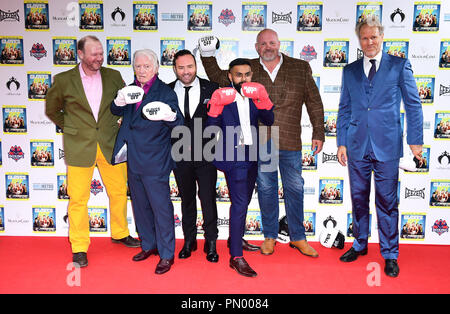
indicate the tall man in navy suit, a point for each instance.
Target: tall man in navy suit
{"x":369,"y":137}
{"x":236,"y":111}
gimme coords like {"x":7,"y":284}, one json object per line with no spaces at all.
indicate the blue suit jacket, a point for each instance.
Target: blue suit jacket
{"x":241,"y":154}
{"x":148,"y":142}
{"x":376,"y":117}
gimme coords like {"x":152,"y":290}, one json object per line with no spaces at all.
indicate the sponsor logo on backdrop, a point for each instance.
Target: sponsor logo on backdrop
{"x":329,"y":157}
{"x":337,"y":19}
{"x":444,"y":90}
{"x":282,"y":18}
{"x":415,"y":193}
{"x":227,"y":17}
{"x":16,"y":153}
{"x":38,"y":51}
{"x":223,"y":222}
{"x":43,"y":186}
{"x":9,"y":16}
{"x":172,"y":17}
{"x":118,"y":15}
{"x":440,"y":227}
{"x":96,"y":187}
{"x":12,"y":82}
{"x":308,"y":53}
{"x":177,"y":220}
{"x":397,"y":17}
{"x":444,"y":160}
{"x":60,"y":153}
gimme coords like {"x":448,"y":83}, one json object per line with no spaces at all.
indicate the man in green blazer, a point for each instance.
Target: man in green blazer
{"x":78,"y":102}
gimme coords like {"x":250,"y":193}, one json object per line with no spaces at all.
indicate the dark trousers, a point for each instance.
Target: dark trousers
{"x":241,"y":183}
{"x":153,"y":213}
{"x":188,"y":176}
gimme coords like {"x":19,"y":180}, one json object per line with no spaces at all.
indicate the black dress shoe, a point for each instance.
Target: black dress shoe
{"x":163,"y":266}
{"x":249,"y":247}
{"x":351,"y":255}
{"x":142,"y":255}
{"x":80,"y":259}
{"x":128,"y":241}
{"x":210,"y":250}
{"x":242,"y":267}
{"x":391,"y":268}
{"x":246,"y":246}
{"x":188,"y":247}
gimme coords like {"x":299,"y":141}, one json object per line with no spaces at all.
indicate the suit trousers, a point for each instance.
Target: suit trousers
{"x":386,"y":201}
{"x":78,"y":187}
{"x":187,"y":176}
{"x":241,"y":183}
{"x":153,"y":212}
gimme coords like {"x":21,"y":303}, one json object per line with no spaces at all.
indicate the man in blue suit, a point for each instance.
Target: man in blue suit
{"x":146,"y":130}
{"x":236,"y":155}
{"x":369,"y":137}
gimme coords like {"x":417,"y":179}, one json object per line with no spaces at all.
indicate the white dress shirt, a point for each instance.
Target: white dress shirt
{"x":274,"y":73}
{"x":194,"y":95}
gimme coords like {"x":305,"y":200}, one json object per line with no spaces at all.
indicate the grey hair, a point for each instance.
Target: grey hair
{"x":372,"y":21}
{"x":150,"y":54}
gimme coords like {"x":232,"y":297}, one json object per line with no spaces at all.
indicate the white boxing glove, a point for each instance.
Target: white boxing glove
{"x":208,"y":45}
{"x":158,"y":111}
{"x":129,"y":95}
{"x":133,"y":94}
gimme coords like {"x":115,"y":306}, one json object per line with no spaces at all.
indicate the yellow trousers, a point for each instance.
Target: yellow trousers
{"x":78,"y":188}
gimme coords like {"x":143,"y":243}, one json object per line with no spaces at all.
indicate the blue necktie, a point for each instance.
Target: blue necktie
{"x":373,"y":69}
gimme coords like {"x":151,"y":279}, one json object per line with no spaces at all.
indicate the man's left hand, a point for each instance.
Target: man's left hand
{"x":316,"y":146}
{"x":417,"y":151}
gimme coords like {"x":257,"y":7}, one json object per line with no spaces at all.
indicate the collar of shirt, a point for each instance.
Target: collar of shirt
{"x":93,"y":89}
{"x":194,"y":95}
{"x":147,"y":85}
{"x":368,"y":65}
{"x":146,"y":88}
{"x":274,"y":73}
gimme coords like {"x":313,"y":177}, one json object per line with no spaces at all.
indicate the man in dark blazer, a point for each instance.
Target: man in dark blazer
{"x":232,"y":112}
{"x":369,"y":137}
{"x":193,"y":94}
{"x":149,"y":158}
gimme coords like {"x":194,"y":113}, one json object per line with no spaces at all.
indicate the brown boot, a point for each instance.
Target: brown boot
{"x":304,"y":248}
{"x":267,"y":247}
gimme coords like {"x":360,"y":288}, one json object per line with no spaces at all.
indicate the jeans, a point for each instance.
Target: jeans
{"x":290,"y":165}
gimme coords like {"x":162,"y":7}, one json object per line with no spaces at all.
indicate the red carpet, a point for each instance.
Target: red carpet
{"x":39,"y":265}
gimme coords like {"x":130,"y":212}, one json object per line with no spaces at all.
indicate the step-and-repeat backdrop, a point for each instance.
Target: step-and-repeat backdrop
{"x":38,"y":40}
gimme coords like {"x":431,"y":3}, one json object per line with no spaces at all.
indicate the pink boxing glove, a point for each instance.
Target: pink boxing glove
{"x":221,"y":97}
{"x":257,"y":92}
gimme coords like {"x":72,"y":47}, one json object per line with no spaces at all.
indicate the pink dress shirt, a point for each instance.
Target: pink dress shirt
{"x":93,"y":89}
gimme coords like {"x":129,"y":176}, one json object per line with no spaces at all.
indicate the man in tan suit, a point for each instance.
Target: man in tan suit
{"x":79,"y":103}
{"x":290,"y":84}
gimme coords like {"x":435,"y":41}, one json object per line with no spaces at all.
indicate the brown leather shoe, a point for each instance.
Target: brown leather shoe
{"x":142,"y":255}
{"x":268,"y":246}
{"x":242,"y":267}
{"x":303,"y":247}
{"x":163,"y":266}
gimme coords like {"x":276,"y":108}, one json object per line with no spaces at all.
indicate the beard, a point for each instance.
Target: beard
{"x":237,"y":86}
{"x":269,"y":55}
